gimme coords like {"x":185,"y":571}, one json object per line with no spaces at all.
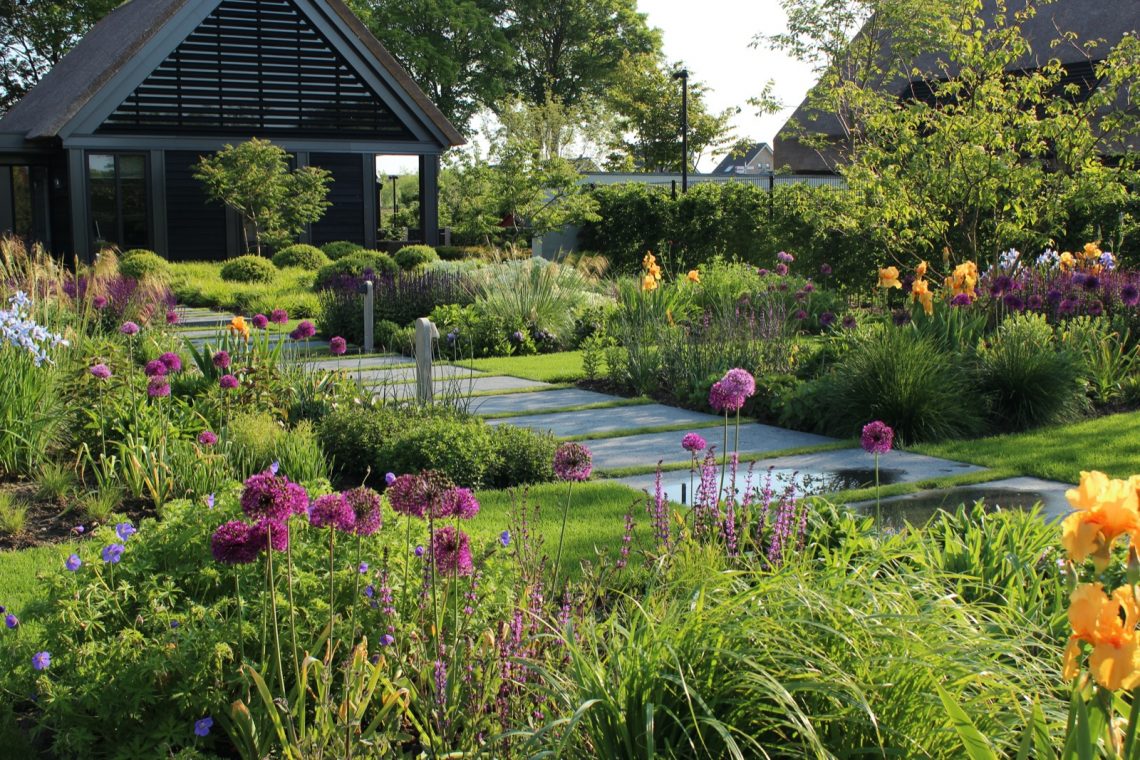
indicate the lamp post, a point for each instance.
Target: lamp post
{"x":683,"y":75}
{"x":395,"y":201}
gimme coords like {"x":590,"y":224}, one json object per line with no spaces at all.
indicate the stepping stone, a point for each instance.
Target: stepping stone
{"x":381,"y":376}
{"x":546,"y":401}
{"x":459,"y":386}
{"x":646,"y":449}
{"x":351,"y":363}
{"x":587,"y":421}
{"x":1009,"y":493}
{"x":821,"y":473}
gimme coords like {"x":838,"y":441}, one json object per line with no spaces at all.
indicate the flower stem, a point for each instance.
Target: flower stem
{"x":273,"y":613}
{"x":292,"y":611}
{"x":562,"y":535}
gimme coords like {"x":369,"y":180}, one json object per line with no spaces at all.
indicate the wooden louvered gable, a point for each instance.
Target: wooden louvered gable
{"x":256,"y":66}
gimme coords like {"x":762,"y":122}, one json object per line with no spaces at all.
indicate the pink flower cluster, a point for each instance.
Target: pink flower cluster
{"x":731,"y":392}
{"x":573,"y":462}
{"x":270,"y":500}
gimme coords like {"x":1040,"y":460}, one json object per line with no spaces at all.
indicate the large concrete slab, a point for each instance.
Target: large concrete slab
{"x":647,"y":449}
{"x":350,"y":362}
{"x":381,"y":376}
{"x":617,"y":419}
{"x":519,"y":403}
{"x":460,"y":386}
{"x":823,"y":472}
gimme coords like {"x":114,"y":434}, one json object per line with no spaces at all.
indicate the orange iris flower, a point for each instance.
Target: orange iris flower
{"x":1108,"y":623}
{"x":238,"y":326}
{"x":889,"y":278}
{"x":1106,"y":508}
{"x":920,"y":292}
{"x":694,"y":275}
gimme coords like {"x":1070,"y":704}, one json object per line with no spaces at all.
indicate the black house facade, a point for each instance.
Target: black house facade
{"x":102,"y":151}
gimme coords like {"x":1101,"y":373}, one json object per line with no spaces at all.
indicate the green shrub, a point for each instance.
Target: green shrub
{"x":354,"y":264}
{"x":249,"y":268}
{"x":256,"y":440}
{"x":415,"y":257}
{"x":463,"y":448}
{"x":300,"y":255}
{"x":897,"y":376}
{"x":633,"y":219}
{"x":13,"y":516}
{"x":338,"y":249}
{"x":1026,"y":379}
{"x":143,"y":264}
{"x":131,"y":253}
{"x":386,"y":335}
{"x":522,"y":456}
{"x":463,"y":252}
{"x":531,"y":295}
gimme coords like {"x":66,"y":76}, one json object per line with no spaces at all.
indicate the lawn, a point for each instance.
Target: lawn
{"x":1110,"y":444}
{"x":563,"y":367}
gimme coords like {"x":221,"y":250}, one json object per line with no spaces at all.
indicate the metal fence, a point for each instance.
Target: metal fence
{"x":763,"y":181}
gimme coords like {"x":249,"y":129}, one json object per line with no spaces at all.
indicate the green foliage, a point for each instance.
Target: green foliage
{"x":300,"y":255}
{"x":536,"y":295}
{"x":904,"y":379}
{"x":522,"y":457}
{"x":14,"y":515}
{"x":632,"y":220}
{"x":55,"y":482}
{"x":1108,"y":360}
{"x":338,"y":249}
{"x":201,"y":284}
{"x":354,"y":264}
{"x":33,"y":411}
{"x":413,"y":258}
{"x":254,"y":179}
{"x":1028,"y":381}
{"x":464,"y":252}
{"x":462,"y":448}
{"x":139,"y":264}
{"x":256,"y":440}
{"x":249,"y":269}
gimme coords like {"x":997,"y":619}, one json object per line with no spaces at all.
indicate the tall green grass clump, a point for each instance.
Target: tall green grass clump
{"x":541,"y":295}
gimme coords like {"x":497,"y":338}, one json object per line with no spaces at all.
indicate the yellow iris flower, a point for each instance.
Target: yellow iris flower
{"x":920,"y":270}
{"x":649,"y":261}
{"x":920,"y":291}
{"x":1067,"y":261}
{"x":238,"y":326}
{"x":649,"y":282}
{"x":654,"y":270}
{"x":1106,"y":508}
{"x":889,"y":278}
{"x":963,"y":279}
{"x":694,"y":275}
{"x":1108,"y":623}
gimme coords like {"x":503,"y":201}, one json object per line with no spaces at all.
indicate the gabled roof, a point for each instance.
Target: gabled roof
{"x":113,"y":42}
{"x":738,"y":158}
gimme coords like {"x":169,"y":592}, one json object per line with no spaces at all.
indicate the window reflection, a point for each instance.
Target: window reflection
{"x":117,"y":184}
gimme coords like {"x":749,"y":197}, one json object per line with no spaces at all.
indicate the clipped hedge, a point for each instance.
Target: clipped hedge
{"x":413,"y":258}
{"x":139,"y":263}
{"x":249,"y":268}
{"x":300,"y":255}
{"x":338,"y":249}
{"x":354,"y":265}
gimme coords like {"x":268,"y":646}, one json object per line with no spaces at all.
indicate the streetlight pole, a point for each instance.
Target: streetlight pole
{"x":683,"y":75}
{"x":395,"y":200}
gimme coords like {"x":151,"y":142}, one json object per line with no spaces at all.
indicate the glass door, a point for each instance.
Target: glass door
{"x":118,"y":200}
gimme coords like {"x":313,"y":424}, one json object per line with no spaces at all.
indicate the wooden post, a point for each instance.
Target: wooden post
{"x":426,"y":332}
{"x":369,"y":315}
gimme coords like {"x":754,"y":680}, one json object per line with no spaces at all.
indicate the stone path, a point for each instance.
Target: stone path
{"x":618,"y":438}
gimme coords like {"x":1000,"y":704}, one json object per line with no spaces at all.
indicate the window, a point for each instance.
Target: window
{"x":117,"y":183}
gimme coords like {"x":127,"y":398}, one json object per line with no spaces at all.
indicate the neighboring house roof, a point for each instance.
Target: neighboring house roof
{"x":1103,"y":21}
{"x":113,"y":42}
{"x":739,"y":158}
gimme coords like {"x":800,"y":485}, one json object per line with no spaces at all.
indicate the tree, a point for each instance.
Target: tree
{"x":274,"y":203}
{"x":568,"y":51}
{"x":453,"y":49}
{"x":36,"y":34}
{"x":647,"y":101}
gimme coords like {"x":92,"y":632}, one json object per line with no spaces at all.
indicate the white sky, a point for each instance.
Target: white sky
{"x":713,"y":38}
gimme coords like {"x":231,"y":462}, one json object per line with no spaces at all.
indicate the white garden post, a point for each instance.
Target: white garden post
{"x":426,"y":332}
{"x":369,"y":311}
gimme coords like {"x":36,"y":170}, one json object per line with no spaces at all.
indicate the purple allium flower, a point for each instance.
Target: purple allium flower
{"x":1130,"y":295}
{"x":260,"y":534}
{"x":231,"y":544}
{"x":762,"y":272}
{"x":781,"y":269}
{"x":825,"y":269}
{"x":125,"y":530}
{"x":505,"y":538}
{"x":693,"y":443}
{"x":101,"y":371}
{"x":389,"y":478}
{"x":826,"y":319}
{"x":573,"y":461}
{"x":158,"y":387}
{"x":129,"y":328}
{"x":1095,"y":309}
{"x":332,"y":511}
{"x":303,"y":331}
{"x":100,"y":303}
{"x":155,"y":368}
{"x":451,"y":551}
{"x":207,"y":438}
{"x":171,"y":317}
{"x":73,"y":563}
{"x":1035,"y":302}
{"x":387,"y":640}
{"x":41,"y":660}
{"x":731,"y":392}
{"x":172,"y":361}
{"x":740,"y":381}
{"x":269,"y":496}
{"x":962,"y":299}
{"x":259,"y":321}
{"x":1001,"y":285}
{"x":365,"y":505}
{"x":1053,"y":296}
{"x":459,"y":502}
{"x":849,"y":322}
{"x":338,"y":346}
{"x":419,"y":551}
{"x":877,"y":438}
{"x":900,"y":317}
{"x":11,"y":621}
{"x":228,"y":382}
{"x":1091,"y":283}
{"x":1013,"y":302}
{"x":112,"y":553}
{"x":406,"y":495}
{"x":785,"y":257}
{"x":809,"y":287}
{"x":278,"y":317}
{"x":800,"y":315}
{"x":362,"y":568}
{"x":1068,"y":306}
{"x":222,"y":359}
{"x":202,"y":726}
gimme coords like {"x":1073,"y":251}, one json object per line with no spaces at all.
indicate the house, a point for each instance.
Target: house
{"x":746,"y":158}
{"x":102,"y":150}
{"x":1103,"y":21}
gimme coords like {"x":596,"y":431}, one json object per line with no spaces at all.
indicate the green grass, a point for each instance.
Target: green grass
{"x":1110,"y":444}
{"x":551,"y":368}
{"x":200,"y":283}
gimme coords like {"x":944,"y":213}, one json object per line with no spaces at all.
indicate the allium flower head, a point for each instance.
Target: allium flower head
{"x":260,"y":321}
{"x":1013,"y":302}
{"x":99,"y":302}
{"x":172,"y":361}
{"x":365,"y":504}
{"x":269,"y":534}
{"x":268,"y":496}
{"x":338,"y":346}
{"x":781,"y":269}
{"x":1053,"y":296}
{"x":826,"y":319}
{"x":451,"y":551}
{"x":693,"y":443}
{"x":416,"y":495}
{"x":785,"y":257}
{"x":1091,"y":283}
{"x":158,"y":387}
{"x":303,"y":331}
{"x":731,"y":392}
{"x":1130,"y":295}
{"x":231,"y":545}
{"x":461,"y":503}
{"x":573,"y":461}
{"x":278,"y":317}
{"x":849,"y":322}
{"x":800,"y":315}
{"x":332,"y":511}
{"x":129,"y":328}
{"x":960,"y":300}
{"x":207,"y":438}
{"x":101,"y":371}
{"x":112,"y":553}
{"x":171,"y":317}
{"x":228,"y":382}
{"x":1095,"y":309}
{"x":825,"y":269}
{"x":222,"y":359}
{"x":154,"y":368}
{"x":73,"y":563}
{"x":41,"y":660}
{"x":877,"y":438}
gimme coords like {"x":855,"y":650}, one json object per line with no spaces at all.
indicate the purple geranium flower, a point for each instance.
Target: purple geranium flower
{"x":877,"y":438}
{"x":41,"y":660}
{"x":11,"y":621}
{"x":125,"y":530}
{"x":505,"y":538}
{"x":73,"y":563}
{"x":389,"y":478}
{"x":112,"y":553}
{"x":202,"y":726}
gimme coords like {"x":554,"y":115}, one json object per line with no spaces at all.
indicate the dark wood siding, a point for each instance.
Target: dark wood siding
{"x":196,"y":226}
{"x":344,"y":220}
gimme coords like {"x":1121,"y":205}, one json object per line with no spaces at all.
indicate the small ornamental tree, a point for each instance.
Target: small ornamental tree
{"x":254,"y":180}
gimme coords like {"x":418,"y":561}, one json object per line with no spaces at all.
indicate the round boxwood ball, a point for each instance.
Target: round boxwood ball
{"x":338,"y":249}
{"x":141,"y":263}
{"x":249,"y":268}
{"x":414,"y":257}
{"x":300,"y":255}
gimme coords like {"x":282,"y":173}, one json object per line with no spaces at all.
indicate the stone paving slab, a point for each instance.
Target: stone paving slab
{"x":546,"y":401}
{"x":381,"y":376}
{"x":1009,"y":493}
{"x":350,"y":362}
{"x":614,"y":420}
{"x":822,"y":472}
{"x":461,"y":386}
{"x":646,"y":449}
